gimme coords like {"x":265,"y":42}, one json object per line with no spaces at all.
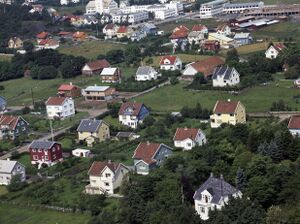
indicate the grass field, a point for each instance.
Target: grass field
{"x":3,"y":190}
{"x":18,"y":91}
{"x":12,"y":214}
{"x":256,"y":99}
{"x":271,"y":2}
{"x":90,"y":49}
{"x":5,"y":58}
{"x":64,"y":10}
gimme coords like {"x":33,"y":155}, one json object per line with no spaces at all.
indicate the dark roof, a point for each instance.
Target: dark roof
{"x":146,"y":151}
{"x":2,"y":100}
{"x":55,"y":100}
{"x":97,"y":167}
{"x":130,"y":108}
{"x":185,"y":133}
{"x":225,"y":107}
{"x":124,"y":134}
{"x":10,"y":121}
{"x":42,"y":144}
{"x":89,"y":125}
{"x":294,"y":122}
{"x":224,"y":71}
{"x":217,"y":187}
{"x":99,"y":64}
{"x":207,"y":65}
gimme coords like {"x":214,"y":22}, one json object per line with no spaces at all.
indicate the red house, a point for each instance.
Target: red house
{"x":45,"y":152}
{"x":69,"y":90}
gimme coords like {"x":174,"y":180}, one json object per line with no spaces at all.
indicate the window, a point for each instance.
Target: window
{"x":202,"y":209}
{"x":40,"y":150}
{"x":106,"y":184}
{"x":35,"y":157}
{"x":33,"y":150}
{"x":46,"y":158}
{"x":231,"y":115}
{"x":107,"y":175}
{"x":206,"y":199}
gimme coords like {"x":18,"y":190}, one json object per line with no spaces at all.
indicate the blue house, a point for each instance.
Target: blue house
{"x":243,"y":38}
{"x":132,"y":114}
{"x":149,"y":29}
{"x":3,"y":104}
{"x":148,"y":156}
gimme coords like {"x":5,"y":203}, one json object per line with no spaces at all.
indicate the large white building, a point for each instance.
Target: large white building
{"x":8,"y":169}
{"x":232,"y":8}
{"x":211,"y":9}
{"x":67,"y":2}
{"x":102,"y":7}
{"x":105,"y":177}
{"x":146,"y":73}
{"x":134,"y":17}
{"x":60,"y":107}
{"x":213,"y":194}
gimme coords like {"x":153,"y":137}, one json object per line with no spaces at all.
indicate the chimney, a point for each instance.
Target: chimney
{"x":109,"y":161}
{"x":95,"y":84}
{"x":228,"y":100}
{"x":148,"y":143}
{"x":8,"y":159}
{"x":71,"y":84}
{"x":185,"y":128}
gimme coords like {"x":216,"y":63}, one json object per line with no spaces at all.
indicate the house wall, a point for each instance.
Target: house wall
{"x":143,"y":168}
{"x":271,"y":53}
{"x":65,"y":110}
{"x":234,"y":80}
{"x":146,"y":77}
{"x":49,"y":157}
{"x":162,"y":154}
{"x":189,"y":70}
{"x":295,"y":132}
{"x":5,"y":178}
{"x":102,"y":134}
{"x":131,"y":121}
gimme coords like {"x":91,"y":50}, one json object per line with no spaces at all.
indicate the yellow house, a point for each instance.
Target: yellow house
{"x":223,"y":40}
{"x":91,"y":130}
{"x":228,"y":112}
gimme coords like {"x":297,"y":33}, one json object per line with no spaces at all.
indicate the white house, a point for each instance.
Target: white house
{"x":213,"y":194}
{"x":105,"y":177}
{"x":170,"y":62}
{"x":274,"y":50}
{"x":67,"y":2}
{"x":146,"y":73}
{"x":195,"y":37}
{"x":188,"y":138}
{"x":224,"y":30}
{"x":110,"y":30}
{"x":294,"y":125}
{"x":81,"y":153}
{"x":239,"y":8}
{"x":60,"y":107}
{"x":225,"y":76}
{"x":132,"y":114}
{"x":8,"y":169}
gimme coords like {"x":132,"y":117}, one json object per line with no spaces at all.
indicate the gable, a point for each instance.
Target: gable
{"x":189,"y":70}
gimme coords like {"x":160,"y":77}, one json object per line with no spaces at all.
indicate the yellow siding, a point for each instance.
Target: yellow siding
{"x":101,"y":135}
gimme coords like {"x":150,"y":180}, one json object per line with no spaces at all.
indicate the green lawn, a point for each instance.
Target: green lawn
{"x":3,"y":190}
{"x":65,"y":10}
{"x":12,"y":214}
{"x":90,"y":49}
{"x":18,"y":91}
{"x":256,"y":99}
{"x":271,"y":2}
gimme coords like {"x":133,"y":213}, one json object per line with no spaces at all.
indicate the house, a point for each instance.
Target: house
{"x":85,"y":153}
{"x":92,"y":130}
{"x":212,"y":9}
{"x":225,"y":76}
{"x":274,"y":50}
{"x":214,"y":193}
{"x":127,"y":136}
{"x":111,"y":75}
{"x":210,"y":46}
{"x":98,"y":93}
{"x":181,"y":28}
{"x":146,"y":73}
{"x":12,"y":127}
{"x":42,"y":36}
{"x":132,"y":114}
{"x":195,"y":37}
{"x":3,"y":105}
{"x":170,"y":62}
{"x":294,"y":125}
{"x":69,"y":90}
{"x":45,"y":152}
{"x":137,"y":35}
{"x":149,"y":28}
{"x":47,"y":44}
{"x":79,"y":36}
{"x":95,"y":67}
{"x":188,"y":138}
{"x":206,"y":67}
{"x":179,"y":36}
{"x":243,"y":38}
{"x":64,"y":34}
{"x":228,"y":112}
{"x":15,"y":43}
{"x":200,"y":28}
{"x":224,"y":41}
{"x":124,"y":31}
{"x":8,"y":169}
{"x":148,"y":156}
{"x":110,"y":30}
{"x":296,"y":85}
{"x":60,"y":107}
{"x":105,"y":177}
{"x":224,"y":30}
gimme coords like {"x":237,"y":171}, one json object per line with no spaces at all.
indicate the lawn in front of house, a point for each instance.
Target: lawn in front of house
{"x":256,"y":99}
{"x":3,"y":190}
{"x":90,"y":49}
{"x":13,"y":214}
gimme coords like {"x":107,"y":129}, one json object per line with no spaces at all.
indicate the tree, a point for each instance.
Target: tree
{"x":174,"y":81}
{"x":232,"y":57}
{"x":148,"y":121}
{"x":115,"y":56}
{"x":44,"y":72}
{"x":16,"y":183}
{"x":132,"y":55}
{"x":293,"y":72}
{"x":71,"y":66}
{"x":28,"y":46}
{"x":241,"y":179}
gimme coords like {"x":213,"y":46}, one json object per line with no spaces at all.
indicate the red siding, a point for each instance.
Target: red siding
{"x":51,"y":153}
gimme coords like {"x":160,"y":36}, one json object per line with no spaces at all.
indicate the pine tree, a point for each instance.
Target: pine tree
{"x":241,"y":179}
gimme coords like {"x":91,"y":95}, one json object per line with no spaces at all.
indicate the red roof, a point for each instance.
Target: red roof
{"x":99,"y":64}
{"x":294,"y":122}
{"x":136,"y":107}
{"x":109,"y":26}
{"x":279,"y":46}
{"x":225,"y":107}
{"x":181,"y":28}
{"x":208,"y":65}
{"x":122,"y":29}
{"x":179,"y":34}
{"x":184,"y":133}
{"x":66,"y":87}
{"x":146,"y":151}
{"x":97,"y":167}
{"x":171,"y":58}
{"x":42,"y":35}
{"x":55,"y":100}
{"x":199,"y":27}
{"x":9,"y":120}
{"x":64,"y":33}
{"x":79,"y":35}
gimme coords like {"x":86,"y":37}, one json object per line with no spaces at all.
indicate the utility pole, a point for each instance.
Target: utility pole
{"x":32,"y":96}
{"x":51,"y":129}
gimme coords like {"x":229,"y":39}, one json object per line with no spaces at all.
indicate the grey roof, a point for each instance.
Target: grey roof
{"x":2,"y":100}
{"x":241,"y":36}
{"x":217,"y":187}
{"x":224,"y":71}
{"x":144,"y":70}
{"x":150,"y":26}
{"x":42,"y":144}
{"x":124,"y":134}
{"x":96,"y":88}
{"x":89,"y":125}
{"x":195,"y":34}
{"x":6,"y":166}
